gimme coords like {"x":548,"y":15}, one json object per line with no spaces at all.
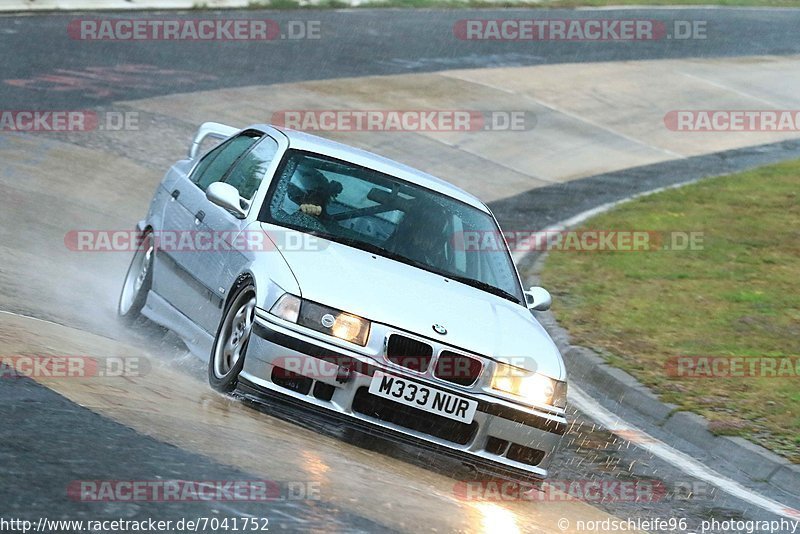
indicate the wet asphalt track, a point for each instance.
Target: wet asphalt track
{"x":46,"y":441}
{"x":357,"y":43}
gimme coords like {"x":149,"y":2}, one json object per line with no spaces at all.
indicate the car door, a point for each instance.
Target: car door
{"x":178,"y":279}
{"x":231,"y":249}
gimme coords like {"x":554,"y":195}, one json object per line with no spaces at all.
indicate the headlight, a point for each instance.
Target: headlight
{"x":323,"y":319}
{"x":532,"y":387}
{"x":287,"y":307}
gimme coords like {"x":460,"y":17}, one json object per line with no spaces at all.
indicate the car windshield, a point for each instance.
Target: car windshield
{"x":388,"y":216}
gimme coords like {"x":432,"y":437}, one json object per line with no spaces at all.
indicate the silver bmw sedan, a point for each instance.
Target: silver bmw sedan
{"x":309,"y":272}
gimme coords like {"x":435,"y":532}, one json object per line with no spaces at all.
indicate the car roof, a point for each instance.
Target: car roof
{"x":313,"y":143}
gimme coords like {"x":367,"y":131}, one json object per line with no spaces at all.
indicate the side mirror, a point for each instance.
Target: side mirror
{"x":538,"y":299}
{"x":225,"y":196}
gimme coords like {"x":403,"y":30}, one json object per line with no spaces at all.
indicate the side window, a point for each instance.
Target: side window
{"x":217,"y":162}
{"x":250,"y":171}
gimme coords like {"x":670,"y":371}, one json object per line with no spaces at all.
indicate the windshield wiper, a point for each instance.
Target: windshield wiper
{"x":489,"y":288}
{"x":358,"y":243}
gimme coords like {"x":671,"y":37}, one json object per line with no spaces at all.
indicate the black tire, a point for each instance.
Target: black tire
{"x":138,"y":281}
{"x":223,"y":369}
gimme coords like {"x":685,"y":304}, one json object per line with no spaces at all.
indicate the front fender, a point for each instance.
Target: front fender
{"x":268,"y":268}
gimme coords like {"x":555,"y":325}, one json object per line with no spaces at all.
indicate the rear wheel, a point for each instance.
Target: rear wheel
{"x":233,"y":336}
{"x":138,"y":281}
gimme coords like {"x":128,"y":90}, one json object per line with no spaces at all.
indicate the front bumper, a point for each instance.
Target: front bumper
{"x":504,"y":438}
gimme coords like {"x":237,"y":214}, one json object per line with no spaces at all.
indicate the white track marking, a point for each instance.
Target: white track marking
{"x":684,"y":462}
{"x":23,"y":316}
{"x":570,"y":114}
{"x":731,"y":90}
{"x":53,"y":323}
{"x":581,"y":217}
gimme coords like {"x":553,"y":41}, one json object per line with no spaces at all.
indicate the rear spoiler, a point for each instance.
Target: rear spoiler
{"x":210,"y":129}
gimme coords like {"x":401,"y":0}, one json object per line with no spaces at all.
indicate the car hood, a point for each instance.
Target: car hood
{"x":405,"y":297}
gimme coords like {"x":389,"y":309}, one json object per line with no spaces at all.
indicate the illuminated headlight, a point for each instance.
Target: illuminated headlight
{"x":323,"y":319}
{"x":531,"y":387}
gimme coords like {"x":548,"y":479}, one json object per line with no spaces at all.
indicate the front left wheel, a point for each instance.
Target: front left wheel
{"x":233,"y":336}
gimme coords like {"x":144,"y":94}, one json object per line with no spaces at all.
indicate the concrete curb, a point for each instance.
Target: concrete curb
{"x":584,"y":364}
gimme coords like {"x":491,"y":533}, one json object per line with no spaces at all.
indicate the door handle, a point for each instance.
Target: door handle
{"x":175,"y":194}
{"x":199,"y":216}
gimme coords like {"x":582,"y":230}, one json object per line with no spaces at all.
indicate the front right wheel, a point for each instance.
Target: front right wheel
{"x":233,"y":336}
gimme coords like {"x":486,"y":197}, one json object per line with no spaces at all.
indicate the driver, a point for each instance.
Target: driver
{"x":420,"y":235}
{"x":318,"y":191}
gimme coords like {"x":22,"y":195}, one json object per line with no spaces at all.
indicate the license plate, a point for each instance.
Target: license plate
{"x":422,"y":397}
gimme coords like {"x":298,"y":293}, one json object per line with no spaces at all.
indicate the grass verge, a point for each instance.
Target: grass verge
{"x":738,"y":296}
